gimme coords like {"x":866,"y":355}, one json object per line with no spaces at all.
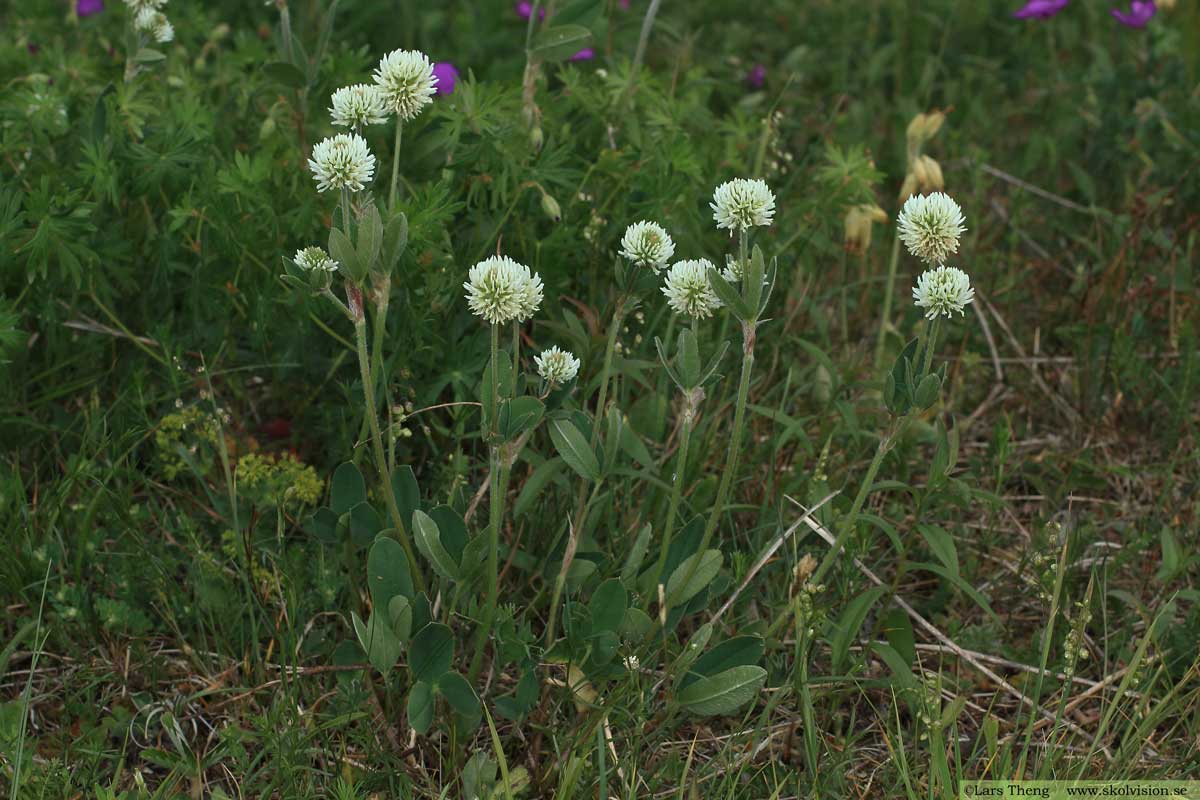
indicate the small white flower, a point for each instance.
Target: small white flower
{"x":342,"y":161}
{"x":406,"y":79}
{"x":358,"y":106}
{"x":315,"y":258}
{"x":742,"y":203}
{"x":943,"y":290}
{"x":531,"y":295}
{"x":688,"y":290}
{"x":632,"y":663}
{"x":734,"y":269}
{"x":138,"y":6}
{"x":500,"y":290}
{"x":154,"y":23}
{"x":930,"y":226}
{"x":647,"y":244}
{"x":557,"y":366}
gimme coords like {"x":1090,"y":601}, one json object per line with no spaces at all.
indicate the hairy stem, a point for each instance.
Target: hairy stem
{"x":685,"y":437}
{"x":848,"y":524}
{"x":395,"y":166}
{"x":735,"y":445}
{"x":610,"y":348}
{"x":381,"y":467}
{"x":498,"y":479}
{"x":885,"y":312}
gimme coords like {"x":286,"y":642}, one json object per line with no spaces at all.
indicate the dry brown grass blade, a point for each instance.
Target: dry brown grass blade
{"x":965,"y":655}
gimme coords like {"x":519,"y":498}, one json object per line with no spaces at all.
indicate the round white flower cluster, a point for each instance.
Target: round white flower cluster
{"x":358,"y":106}
{"x":743,"y":203}
{"x":688,"y":290}
{"x":943,"y":290}
{"x":930,"y":226}
{"x":647,"y":244}
{"x":315,"y":258}
{"x":148,"y":19}
{"x":500,"y":290}
{"x":342,"y":161}
{"x":405,"y":79}
{"x":557,"y":366}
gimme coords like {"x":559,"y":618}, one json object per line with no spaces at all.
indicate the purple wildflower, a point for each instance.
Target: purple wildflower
{"x":85,"y":8}
{"x":586,"y":54}
{"x":1042,"y":9}
{"x":447,"y":76}
{"x":756,"y":78}
{"x":524,"y":10}
{"x":1140,"y":12}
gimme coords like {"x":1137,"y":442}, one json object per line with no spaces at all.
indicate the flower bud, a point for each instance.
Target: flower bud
{"x":927,"y":391}
{"x":536,"y":137}
{"x":551,"y":207}
{"x":934,"y":182}
{"x":858,"y":226}
{"x":909,"y":188}
{"x":920,"y":172}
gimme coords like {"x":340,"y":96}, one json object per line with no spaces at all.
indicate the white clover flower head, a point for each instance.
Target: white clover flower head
{"x":531,"y":295}
{"x":688,"y":290}
{"x":647,"y":244}
{"x":943,"y":290}
{"x":556,"y":366}
{"x":358,"y":106}
{"x":315,"y":258}
{"x":154,"y":23}
{"x":406,"y":80}
{"x":500,"y":290}
{"x":137,"y":6}
{"x":743,"y":203}
{"x":734,"y":269}
{"x":631,"y":662}
{"x":342,"y":161}
{"x":930,"y":226}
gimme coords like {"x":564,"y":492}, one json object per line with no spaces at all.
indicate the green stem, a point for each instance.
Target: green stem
{"x":685,"y":437}
{"x":735,"y":445}
{"x":848,"y":524}
{"x":383,"y":290}
{"x":346,"y":215}
{"x":385,"y":475}
{"x":574,"y":529}
{"x":930,"y":342}
{"x":610,"y":348}
{"x":516,"y":362}
{"x":886,"y":310}
{"x":395,"y":167}
{"x":497,"y":476}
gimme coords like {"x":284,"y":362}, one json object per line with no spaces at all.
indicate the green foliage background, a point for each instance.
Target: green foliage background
{"x":143,"y":324}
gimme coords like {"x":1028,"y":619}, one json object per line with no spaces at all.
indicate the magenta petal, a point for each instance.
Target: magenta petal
{"x":1140,"y":12}
{"x":447,"y":77}
{"x":756,"y":77}
{"x":524,"y":10}
{"x":586,"y":54}
{"x":1041,"y":9}
{"x":86,"y":8}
